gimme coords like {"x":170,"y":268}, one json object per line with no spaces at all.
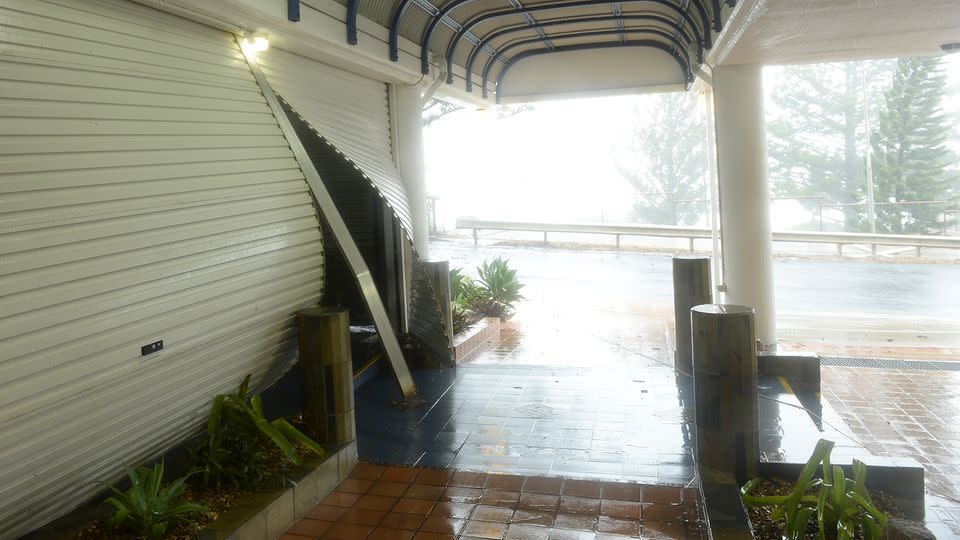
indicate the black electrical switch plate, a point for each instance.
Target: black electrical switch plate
{"x":151,"y":348}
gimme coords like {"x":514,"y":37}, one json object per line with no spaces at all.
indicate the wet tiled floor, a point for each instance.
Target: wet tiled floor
{"x":903,"y":413}
{"x":404,"y":503}
{"x":626,"y":424}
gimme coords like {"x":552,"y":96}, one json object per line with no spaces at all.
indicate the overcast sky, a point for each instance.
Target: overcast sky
{"x":554,"y":163}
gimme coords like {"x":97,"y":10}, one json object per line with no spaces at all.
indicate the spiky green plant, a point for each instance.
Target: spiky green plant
{"x":500,"y":287}
{"x":147,"y":508}
{"x":840,"y":505}
{"x":236,"y":427}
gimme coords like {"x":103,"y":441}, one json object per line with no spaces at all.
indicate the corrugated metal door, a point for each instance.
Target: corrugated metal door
{"x":348,"y":110}
{"x":146,"y":193}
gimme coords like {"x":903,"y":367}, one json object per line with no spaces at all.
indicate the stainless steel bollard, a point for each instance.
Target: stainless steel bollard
{"x":691,"y":287}
{"x":725,"y":393}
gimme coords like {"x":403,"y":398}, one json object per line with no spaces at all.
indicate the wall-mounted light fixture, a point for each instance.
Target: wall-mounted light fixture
{"x":257,"y":42}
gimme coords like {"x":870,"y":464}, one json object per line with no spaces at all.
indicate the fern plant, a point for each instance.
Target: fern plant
{"x":237,"y":430}
{"x":841,"y":506}
{"x":147,"y":509}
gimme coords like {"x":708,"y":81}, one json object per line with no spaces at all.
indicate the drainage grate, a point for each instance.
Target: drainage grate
{"x":889,"y":363}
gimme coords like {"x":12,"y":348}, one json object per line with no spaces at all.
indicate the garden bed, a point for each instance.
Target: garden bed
{"x":476,"y":338}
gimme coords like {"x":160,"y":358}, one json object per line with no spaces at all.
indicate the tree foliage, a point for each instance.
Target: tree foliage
{"x":665,"y":161}
{"x":911,"y":159}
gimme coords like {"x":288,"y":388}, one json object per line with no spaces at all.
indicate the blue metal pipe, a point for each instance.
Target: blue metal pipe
{"x":589,"y":46}
{"x":293,"y":10}
{"x":475,"y":52}
{"x":684,"y":62}
{"x":352,"y":7}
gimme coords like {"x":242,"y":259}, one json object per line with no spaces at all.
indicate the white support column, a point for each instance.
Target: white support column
{"x":408,"y":148}
{"x":745,"y":193}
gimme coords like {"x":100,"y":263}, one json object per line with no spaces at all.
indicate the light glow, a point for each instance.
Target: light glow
{"x":257,"y":43}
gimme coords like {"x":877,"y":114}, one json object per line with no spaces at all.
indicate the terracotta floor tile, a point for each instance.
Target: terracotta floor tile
{"x":664,"y":531}
{"x":499,"y":498}
{"x":452,"y":509}
{"x":575,"y":521}
{"x":485,"y":529}
{"x":536,"y":501}
{"x":381,"y":533}
{"x":347,"y":531}
{"x":662,"y":512}
{"x":564,"y":534}
{"x":410,"y":522}
{"x":618,"y":526}
{"x":534,"y":517}
{"x":423,"y":491}
{"x":291,"y":536}
{"x":527,"y":532}
{"x":399,"y":474}
{"x":444,"y":525}
{"x":366,"y":471}
{"x":427,"y":535}
{"x":505,"y":482}
{"x":363,"y":516}
{"x":661,"y":494}
{"x":419,"y":507}
{"x":310,"y":527}
{"x":543,"y":485}
{"x":326,"y":512}
{"x":492,"y":513}
{"x":337,"y":498}
{"x":620,"y":509}
{"x":351,"y":485}
{"x":388,"y":489}
{"x":462,"y":495}
{"x":582,"y":488}
{"x":621,"y":491}
{"x":468,"y":479}
{"x":376,"y":502}
{"x":579,"y":505}
{"x":434,"y":477}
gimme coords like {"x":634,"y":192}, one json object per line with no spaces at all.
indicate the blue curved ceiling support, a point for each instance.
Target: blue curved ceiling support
{"x":352,"y":7}
{"x":717,"y":14}
{"x":671,"y":49}
{"x":489,"y":15}
{"x":453,"y":4}
{"x":590,"y":46}
{"x":475,"y":52}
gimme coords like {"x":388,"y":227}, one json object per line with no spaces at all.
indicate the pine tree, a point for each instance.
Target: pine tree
{"x":911,"y":160}
{"x":815,"y":136}
{"x":666,"y":161}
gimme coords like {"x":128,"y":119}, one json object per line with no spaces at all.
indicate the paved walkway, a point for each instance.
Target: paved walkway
{"x":404,"y":503}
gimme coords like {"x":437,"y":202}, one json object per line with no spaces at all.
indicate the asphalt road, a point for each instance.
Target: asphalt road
{"x":855,"y":301}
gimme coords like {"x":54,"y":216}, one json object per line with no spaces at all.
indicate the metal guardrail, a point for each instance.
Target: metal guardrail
{"x":841,"y":239}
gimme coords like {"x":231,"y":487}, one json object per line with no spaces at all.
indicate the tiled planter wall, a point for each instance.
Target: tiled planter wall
{"x":473,"y":340}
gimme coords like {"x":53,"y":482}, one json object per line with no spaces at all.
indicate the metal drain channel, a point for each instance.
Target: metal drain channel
{"x":888,"y":363}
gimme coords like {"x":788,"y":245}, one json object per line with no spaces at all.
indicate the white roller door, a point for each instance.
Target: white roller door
{"x":348,"y":110}
{"x":146,"y":193}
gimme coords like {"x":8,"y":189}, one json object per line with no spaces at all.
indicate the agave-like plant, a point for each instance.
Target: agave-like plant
{"x":500,"y":286}
{"x":840,"y":504}
{"x":148,"y":509}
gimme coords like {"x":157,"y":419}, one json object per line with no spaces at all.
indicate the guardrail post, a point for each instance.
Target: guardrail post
{"x":544,"y":237}
{"x":725,"y":393}
{"x":918,"y":252}
{"x":618,"y":240}
{"x":839,"y":249}
{"x":691,"y":244}
{"x":475,"y":240}
{"x":691,"y":287}
{"x":873,"y":249}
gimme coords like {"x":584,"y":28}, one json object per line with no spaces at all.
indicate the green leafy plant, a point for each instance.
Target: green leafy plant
{"x":237,"y":435}
{"x":148,"y":509}
{"x":841,"y":506}
{"x":463,"y":292}
{"x":500,"y":287}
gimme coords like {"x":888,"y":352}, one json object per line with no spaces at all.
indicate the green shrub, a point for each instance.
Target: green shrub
{"x":238,"y":434}
{"x":147,"y":509}
{"x":501,"y":288}
{"x":841,"y":506}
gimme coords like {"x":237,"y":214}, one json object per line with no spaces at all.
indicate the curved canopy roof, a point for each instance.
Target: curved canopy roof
{"x":490,"y":38}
